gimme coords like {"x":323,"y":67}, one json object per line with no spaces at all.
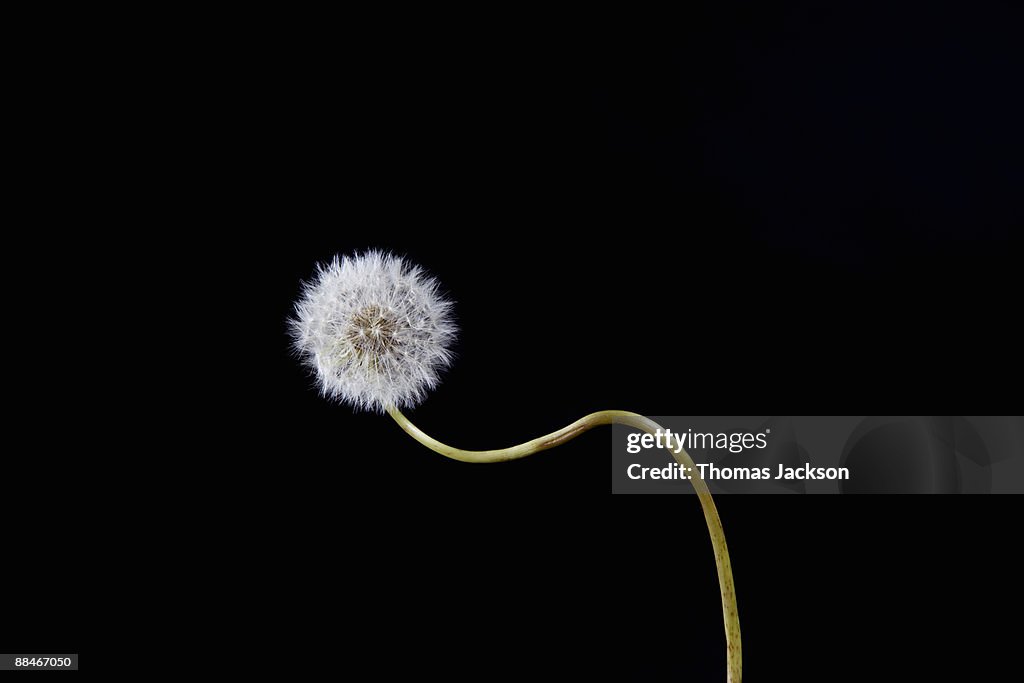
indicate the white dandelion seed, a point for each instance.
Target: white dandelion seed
{"x":375,"y":329}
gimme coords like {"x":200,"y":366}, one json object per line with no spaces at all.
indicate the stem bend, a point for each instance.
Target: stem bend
{"x":731,"y":615}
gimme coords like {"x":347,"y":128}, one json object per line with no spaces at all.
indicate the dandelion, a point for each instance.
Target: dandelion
{"x":377,"y":332}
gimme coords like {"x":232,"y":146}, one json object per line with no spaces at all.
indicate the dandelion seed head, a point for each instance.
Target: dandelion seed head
{"x":374,"y":329}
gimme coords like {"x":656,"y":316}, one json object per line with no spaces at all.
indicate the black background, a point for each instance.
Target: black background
{"x":736,"y":210}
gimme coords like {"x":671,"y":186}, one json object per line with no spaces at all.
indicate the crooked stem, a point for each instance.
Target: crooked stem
{"x":604,"y":417}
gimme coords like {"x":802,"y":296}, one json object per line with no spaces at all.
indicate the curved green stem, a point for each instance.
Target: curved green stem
{"x":604,"y":417}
